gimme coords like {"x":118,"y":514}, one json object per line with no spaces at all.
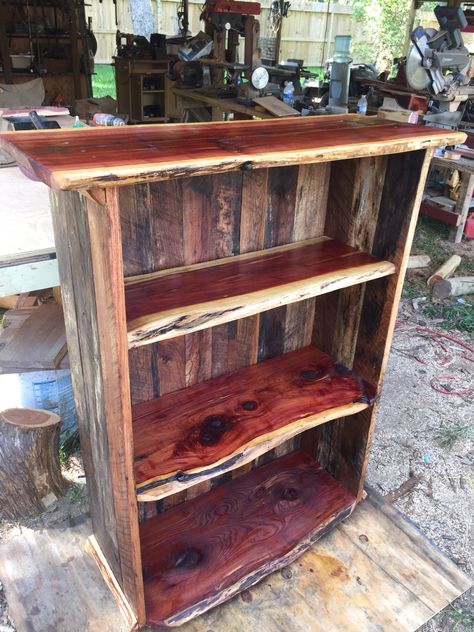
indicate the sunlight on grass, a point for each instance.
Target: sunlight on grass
{"x":103,"y":82}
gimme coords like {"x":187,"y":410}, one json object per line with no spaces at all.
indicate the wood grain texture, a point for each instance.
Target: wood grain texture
{"x":394,"y":580}
{"x":164,"y":151}
{"x":200,"y":554}
{"x":344,"y":449}
{"x":215,"y":426}
{"x":39,"y":342}
{"x":92,"y":548}
{"x":397,"y":579}
{"x":180,"y":302}
{"x":30,"y":472}
{"x":355,"y":194}
{"x":90,"y":263}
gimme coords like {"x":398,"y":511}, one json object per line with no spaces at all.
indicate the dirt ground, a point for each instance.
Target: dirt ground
{"x":422,"y":456}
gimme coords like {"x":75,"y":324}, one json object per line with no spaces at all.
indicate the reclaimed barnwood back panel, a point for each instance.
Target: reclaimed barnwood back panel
{"x":190,"y":220}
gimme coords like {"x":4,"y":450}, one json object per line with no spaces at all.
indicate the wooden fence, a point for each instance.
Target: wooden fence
{"x":308,"y":31}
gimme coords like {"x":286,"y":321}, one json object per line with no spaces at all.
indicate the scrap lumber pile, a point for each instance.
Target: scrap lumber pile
{"x":33,"y":336}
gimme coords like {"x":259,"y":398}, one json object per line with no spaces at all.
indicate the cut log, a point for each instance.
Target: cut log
{"x":445,"y":271}
{"x":457,"y":286}
{"x":418,"y":261}
{"x":30,"y":474}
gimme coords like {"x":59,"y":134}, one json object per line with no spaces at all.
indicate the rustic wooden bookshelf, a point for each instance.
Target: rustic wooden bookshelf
{"x":230,"y":293}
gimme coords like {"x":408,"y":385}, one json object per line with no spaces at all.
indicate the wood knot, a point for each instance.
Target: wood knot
{"x":212,"y":429}
{"x":289,"y":493}
{"x":250,"y":404}
{"x":310,"y":374}
{"x":180,"y":476}
{"x":247,"y":166}
{"x":188,"y":558}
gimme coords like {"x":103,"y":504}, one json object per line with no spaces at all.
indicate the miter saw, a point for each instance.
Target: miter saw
{"x":438,"y":61}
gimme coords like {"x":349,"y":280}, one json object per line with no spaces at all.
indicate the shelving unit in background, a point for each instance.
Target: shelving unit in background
{"x":230,"y":298}
{"x":55,"y":35}
{"x":143,"y":89}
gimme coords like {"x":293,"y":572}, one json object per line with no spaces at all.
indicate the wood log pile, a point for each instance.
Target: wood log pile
{"x":442,"y":282}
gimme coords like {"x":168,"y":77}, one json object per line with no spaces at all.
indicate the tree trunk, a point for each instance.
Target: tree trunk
{"x":30,"y":474}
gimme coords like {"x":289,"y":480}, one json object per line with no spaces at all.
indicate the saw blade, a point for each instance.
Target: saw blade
{"x":418,"y":77}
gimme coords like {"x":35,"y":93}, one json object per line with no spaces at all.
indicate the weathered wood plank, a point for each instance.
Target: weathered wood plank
{"x":89,"y":247}
{"x":162,"y":152}
{"x":394,"y":579}
{"x":199,"y":554}
{"x":345,"y":452}
{"x":107,"y":275}
{"x":355,"y":193}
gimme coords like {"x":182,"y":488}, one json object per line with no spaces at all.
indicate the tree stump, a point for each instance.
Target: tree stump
{"x":30,"y":473}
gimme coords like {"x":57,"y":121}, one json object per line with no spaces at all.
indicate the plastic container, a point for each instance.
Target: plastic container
{"x":362,"y":105}
{"x":107,"y":120}
{"x":469,"y":227}
{"x":288,"y":93}
{"x":342,"y":46}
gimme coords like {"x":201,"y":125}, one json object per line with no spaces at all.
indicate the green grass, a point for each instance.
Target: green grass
{"x":462,"y":620}
{"x":76,"y":493}
{"x":68,"y":445}
{"x":103,"y":82}
{"x":448,"y":436}
{"x":453,"y":315}
{"x":432,"y":238}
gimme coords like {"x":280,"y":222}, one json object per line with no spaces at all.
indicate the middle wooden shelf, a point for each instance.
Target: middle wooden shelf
{"x":175,"y":302}
{"x":199,"y":432}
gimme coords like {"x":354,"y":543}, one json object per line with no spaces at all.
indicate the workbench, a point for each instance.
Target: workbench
{"x":219,"y":106}
{"x":456,"y":218}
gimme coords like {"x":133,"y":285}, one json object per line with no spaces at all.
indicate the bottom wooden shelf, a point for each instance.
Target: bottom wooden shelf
{"x":207,"y":549}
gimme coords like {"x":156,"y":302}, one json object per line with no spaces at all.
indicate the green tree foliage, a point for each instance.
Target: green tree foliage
{"x":382,"y":27}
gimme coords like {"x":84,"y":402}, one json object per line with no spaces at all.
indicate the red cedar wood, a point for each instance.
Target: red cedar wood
{"x":213,"y":294}
{"x":198,"y":554}
{"x":168,"y":430}
{"x":380,"y":286}
{"x":160,"y":152}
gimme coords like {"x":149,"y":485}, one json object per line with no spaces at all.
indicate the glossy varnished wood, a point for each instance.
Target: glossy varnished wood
{"x":204,"y":551}
{"x":207,"y":429}
{"x":82,"y":159}
{"x":176,"y":302}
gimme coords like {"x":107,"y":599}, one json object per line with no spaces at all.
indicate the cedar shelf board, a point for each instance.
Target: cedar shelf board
{"x":197,"y":433}
{"x":94,"y":157}
{"x":204,"y":551}
{"x":175,"y":302}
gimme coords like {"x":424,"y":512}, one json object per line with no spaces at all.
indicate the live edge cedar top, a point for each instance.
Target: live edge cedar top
{"x":82,"y":159}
